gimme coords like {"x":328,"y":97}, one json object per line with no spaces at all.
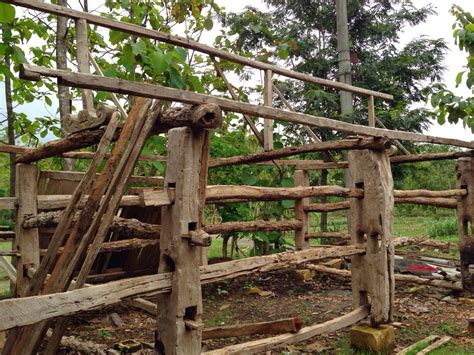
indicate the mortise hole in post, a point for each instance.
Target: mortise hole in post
{"x":190,"y":313}
{"x":363,"y":298}
{"x":467,"y":228}
{"x":170,"y":265}
{"x":192,"y":226}
{"x":361,"y":237}
{"x":359,"y":185}
{"x":171,"y":185}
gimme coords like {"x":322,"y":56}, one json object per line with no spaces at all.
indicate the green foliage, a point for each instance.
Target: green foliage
{"x":288,"y":34}
{"x":450,"y":107}
{"x":443,"y":228}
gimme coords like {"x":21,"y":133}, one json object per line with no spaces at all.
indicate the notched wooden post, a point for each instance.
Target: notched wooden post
{"x":465,"y":214}
{"x":179,"y":323}
{"x":26,"y":239}
{"x":372,"y":224}
{"x":301,"y":178}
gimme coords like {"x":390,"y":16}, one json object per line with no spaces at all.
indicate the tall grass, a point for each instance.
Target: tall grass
{"x":443,"y":228}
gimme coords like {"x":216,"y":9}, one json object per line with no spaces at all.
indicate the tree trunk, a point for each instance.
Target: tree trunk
{"x":61,"y":63}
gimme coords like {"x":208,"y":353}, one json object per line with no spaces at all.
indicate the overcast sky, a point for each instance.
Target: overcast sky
{"x":437,"y":26}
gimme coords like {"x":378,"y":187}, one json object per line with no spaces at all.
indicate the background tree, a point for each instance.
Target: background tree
{"x":450,"y":107}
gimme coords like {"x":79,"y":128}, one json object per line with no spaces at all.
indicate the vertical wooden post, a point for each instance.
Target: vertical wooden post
{"x":83,"y":63}
{"x":301,"y":178}
{"x":465,"y":214}
{"x":372,"y":225}
{"x":26,"y":239}
{"x":267,"y":101}
{"x":371,"y":113}
{"x":179,"y":324}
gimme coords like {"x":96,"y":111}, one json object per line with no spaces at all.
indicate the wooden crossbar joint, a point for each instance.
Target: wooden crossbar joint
{"x":193,"y":325}
{"x":198,"y":238}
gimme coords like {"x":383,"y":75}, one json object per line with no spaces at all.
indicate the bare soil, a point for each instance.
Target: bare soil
{"x":420,"y":311}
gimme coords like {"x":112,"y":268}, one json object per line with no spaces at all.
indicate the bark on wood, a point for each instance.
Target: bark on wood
{"x":301,"y":178}
{"x":31,"y":72}
{"x":206,"y":116}
{"x":327,"y":207}
{"x":190,"y":44}
{"x":288,"y":325}
{"x":336,"y":235}
{"x":183,"y":305}
{"x":372,"y":219}
{"x":127,"y":244}
{"x":438,"y":202}
{"x":77,"y":176}
{"x":262,"y":345}
{"x":430,"y":194}
{"x":409,"y":279}
{"x":361,"y":143}
{"x":465,"y":216}
{"x":29,"y":310}
{"x":253,"y":226}
{"x":26,"y":239}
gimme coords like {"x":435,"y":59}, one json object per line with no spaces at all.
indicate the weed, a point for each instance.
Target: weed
{"x":443,"y":228}
{"x":103,"y":333}
{"x":222,"y":291}
{"x":449,"y":328}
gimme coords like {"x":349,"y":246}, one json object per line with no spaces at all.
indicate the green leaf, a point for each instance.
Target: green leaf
{"x":159,"y":62}
{"x":18,"y":55}
{"x":48,"y":101}
{"x":139,"y":47}
{"x":255,"y":27}
{"x":470,"y":27}
{"x":288,"y":203}
{"x":175,"y":80}
{"x":459,"y":78}
{"x":208,"y":24}
{"x":196,"y":84}
{"x":7,"y":13}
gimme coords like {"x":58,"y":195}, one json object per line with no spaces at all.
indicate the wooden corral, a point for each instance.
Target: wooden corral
{"x":84,"y":240}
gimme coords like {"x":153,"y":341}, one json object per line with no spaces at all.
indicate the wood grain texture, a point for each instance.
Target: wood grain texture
{"x":372,"y":219}
{"x":301,"y":178}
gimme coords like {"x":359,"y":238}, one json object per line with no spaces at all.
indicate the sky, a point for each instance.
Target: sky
{"x":437,"y":26}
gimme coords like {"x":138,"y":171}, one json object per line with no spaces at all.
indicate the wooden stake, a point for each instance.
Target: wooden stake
{"x":372,"y":219}
{"x":26,"y":240}
{"x":267,"y":101}
{"x":301,"y":178}
{"x":371,"y":114}
{"x":465,"y":215}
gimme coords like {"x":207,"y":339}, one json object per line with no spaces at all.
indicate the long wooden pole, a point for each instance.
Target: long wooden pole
{"x":94,"y":82}
{"x":187,"y":43}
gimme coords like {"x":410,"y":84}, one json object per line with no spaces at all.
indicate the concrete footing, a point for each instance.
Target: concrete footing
{"x":380,"y":339}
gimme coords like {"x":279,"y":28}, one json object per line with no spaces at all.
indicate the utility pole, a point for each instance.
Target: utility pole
{"x":344,"y":74}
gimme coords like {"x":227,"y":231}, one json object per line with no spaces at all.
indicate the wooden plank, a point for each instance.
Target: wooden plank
{"x":8,"y":268}
{"x":267,"y":344}
{"x":160,"y":92}
{"x":183,"y":304}
{"x":268,"y":101}
{"x":287,"y":325}
{"x":78,"y":175}
{"x":7,"y":234}
{"x":465,"y":217}
{"x":28,"y":310}
{"x":372,"y":219}
{"x":26,"y":239}
{"x":189,"y":43}
{"x":301,"y":178}
{"x":437,"y":344}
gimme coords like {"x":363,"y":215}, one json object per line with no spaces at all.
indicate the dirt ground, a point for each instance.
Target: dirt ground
{"x":420,"y":311}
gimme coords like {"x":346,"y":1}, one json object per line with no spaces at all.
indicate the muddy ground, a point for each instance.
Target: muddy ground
{"x":420,"y":311}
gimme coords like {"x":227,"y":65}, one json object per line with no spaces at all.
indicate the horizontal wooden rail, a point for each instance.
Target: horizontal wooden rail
{"x":429,"y":193}
{"x":428,"y":201}
{"x":236,"y":193}
{"x":453,"y":285}
{"x":77,"y":176}
{"x":28,"y":310}
{"x":254,"y":226}
{"x":327,"y":207}
{"x":190,"y":44}
{"x":267,"y":344}
{"x":319,"y":235}
{"x":94,"y":82}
